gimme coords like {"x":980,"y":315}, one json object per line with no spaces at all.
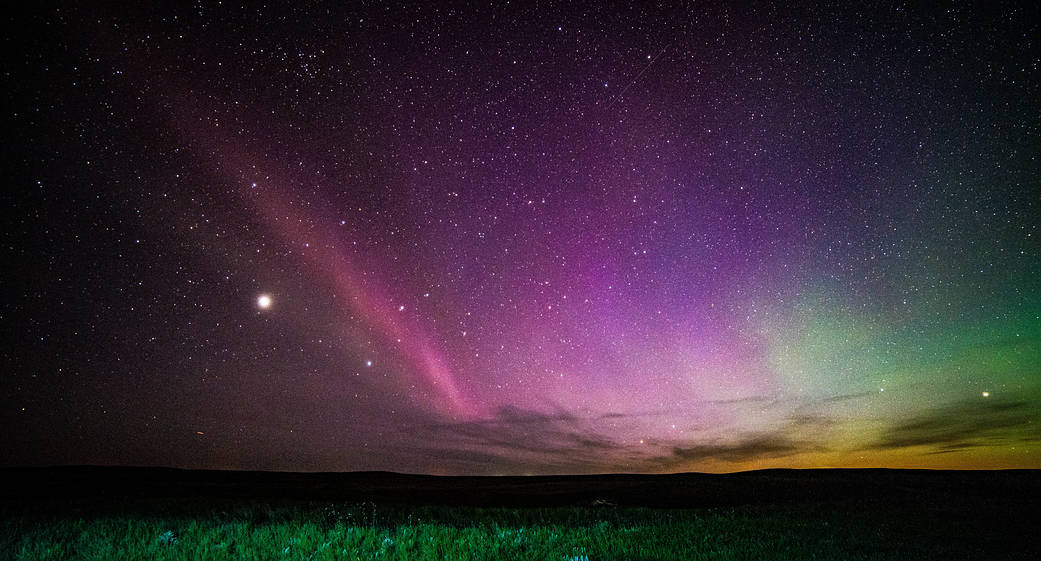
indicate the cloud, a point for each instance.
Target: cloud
{"x":811,"y":422}
{"x":758,"y":446}
{"x":517,"y":440}
{"x":847,"y":397}
{"x":965,"y":425}
{"x":522,"y":440}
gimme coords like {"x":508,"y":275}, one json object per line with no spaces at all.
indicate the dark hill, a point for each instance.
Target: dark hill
{"x":1020,"y":489}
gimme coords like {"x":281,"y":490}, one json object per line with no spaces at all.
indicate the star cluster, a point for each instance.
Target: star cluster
{"x":523,"y":240}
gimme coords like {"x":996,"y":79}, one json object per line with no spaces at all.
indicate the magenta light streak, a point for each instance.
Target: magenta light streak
{"x":327,"y":257}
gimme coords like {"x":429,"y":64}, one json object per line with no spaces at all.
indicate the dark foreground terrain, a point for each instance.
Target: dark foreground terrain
{"x":144,"y":513}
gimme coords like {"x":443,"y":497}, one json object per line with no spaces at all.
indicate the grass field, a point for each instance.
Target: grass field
{"x":126,"y":514}
{"x":177,"y":530}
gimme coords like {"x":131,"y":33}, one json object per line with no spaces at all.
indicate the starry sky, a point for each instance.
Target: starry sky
{"x":524,"y":239}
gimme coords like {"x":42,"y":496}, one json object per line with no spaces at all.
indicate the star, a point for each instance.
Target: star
{"x":264,"y":301}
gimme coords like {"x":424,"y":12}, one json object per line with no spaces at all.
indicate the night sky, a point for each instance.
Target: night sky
{"x":554,"y":239}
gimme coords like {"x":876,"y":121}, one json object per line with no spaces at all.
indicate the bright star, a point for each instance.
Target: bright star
{"x":986,"y":394}
{"x":264,"y":301}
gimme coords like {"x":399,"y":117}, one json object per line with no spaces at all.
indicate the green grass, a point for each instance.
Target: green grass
{"x":243,"y":530}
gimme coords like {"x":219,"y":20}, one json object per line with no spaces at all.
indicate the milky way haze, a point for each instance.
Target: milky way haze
{"x":525,"y":240}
